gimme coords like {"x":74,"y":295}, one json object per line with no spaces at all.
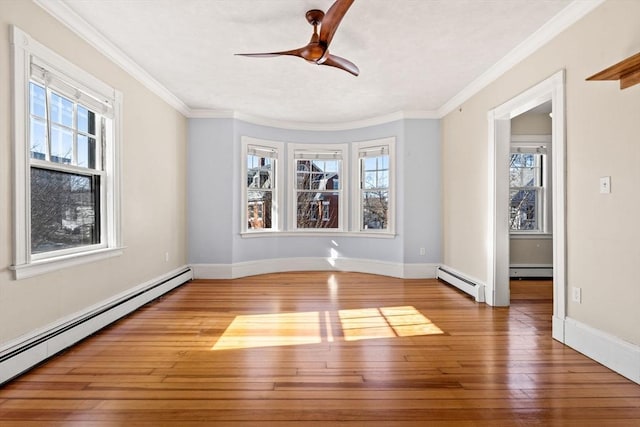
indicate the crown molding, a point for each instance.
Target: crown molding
{"x":356,"y":124}
{"x":80,"y":27}
{"x":310,"y":126}
{"x":203,"y":113}
{"x":571,"y":14}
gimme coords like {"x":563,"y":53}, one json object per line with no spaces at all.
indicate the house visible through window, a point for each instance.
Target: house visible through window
{"x":260,"y":179}
{"x":262,"y":176}
{"x":317,"y":188}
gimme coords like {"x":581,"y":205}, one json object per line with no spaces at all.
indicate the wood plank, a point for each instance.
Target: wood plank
{"x":377,"y":351}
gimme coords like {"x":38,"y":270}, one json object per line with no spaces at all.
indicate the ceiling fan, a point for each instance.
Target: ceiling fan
{"x":317,"y":50}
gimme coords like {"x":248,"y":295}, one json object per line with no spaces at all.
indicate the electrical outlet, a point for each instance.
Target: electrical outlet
{"x":577,"y":295}
{"x":166,"y":257}
{"x":423,"y":251}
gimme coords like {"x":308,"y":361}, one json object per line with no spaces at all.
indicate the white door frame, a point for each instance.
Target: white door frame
{"x":497,"y":286}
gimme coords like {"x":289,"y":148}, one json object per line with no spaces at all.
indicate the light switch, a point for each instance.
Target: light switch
{"x":605,"y":185}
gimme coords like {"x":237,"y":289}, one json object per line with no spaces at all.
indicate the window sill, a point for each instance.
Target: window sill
{"x":43,"y":266}
{"x":532,"y":235}
{"x":369,"y":234}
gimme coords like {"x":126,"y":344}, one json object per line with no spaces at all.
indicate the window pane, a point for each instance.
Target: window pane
{"x":64,"y":210}
{"x":384,"y":162}
{"x":330,"y":166}
{"x":61,"y":110}
{"x":375,"y":209}
{"x":37,"y":103}
{"x":523,"y":209}
{"x":61,"y":144}
{"x":524,"y":170}
{"x":383,"y":179}
{"x":318,"y":181}
{"x":369,"y":180}
{"x":86,"y":121}
{"x":370,"y":163}
{"x":317,"y":210}
{"x":259,"y":204}
{"x":86,"y":152}
{"x":260,"y":177}
{"x":38,"y":139}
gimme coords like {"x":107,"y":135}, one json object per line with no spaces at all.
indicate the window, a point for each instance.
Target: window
{"x":319,"y":187}
{"x":374,"y":211}
{"x":317,"y":190}
{"x":261,"y":181}
{"x":66,"y":168}
{"x":528,"y":183}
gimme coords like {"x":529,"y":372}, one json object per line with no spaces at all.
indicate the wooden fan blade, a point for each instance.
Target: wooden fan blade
{"x":294,"y":52}
{"x":343,"y":64}
{"x":332,"y":19}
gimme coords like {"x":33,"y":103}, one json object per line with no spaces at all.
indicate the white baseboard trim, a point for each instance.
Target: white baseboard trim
{"x":469,"y":285}
{"x":531,"y":270}
{"x":614,"y":353}
{"x":29,"y":350}
{"x":280,"y":265}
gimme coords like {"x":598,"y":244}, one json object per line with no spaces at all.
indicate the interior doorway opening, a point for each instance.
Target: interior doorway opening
{"x":549,"y":92}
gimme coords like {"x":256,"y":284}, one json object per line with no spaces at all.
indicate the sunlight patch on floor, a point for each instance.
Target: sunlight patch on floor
{"x":285,"y":329}
{"x":385,"y":322}
{"x":268,"y":330}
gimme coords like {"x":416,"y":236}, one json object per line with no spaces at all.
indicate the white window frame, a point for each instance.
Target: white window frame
{"x":277,"y":148}
{"x":389,"y":146}
{"x":294,"y":151}
{"x":91,"y":91}
{"x":537,"y":144}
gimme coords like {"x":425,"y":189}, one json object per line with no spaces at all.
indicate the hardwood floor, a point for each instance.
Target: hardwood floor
{"x":325,"y":348}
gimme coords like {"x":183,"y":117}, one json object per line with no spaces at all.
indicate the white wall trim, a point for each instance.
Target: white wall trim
{"x":499,"y":140}
{"x":571,"y":14}
{"x":611,"y":351}
{"x":467,"y":284}
{"x":280,"y":265}
{"x":23,"y":353}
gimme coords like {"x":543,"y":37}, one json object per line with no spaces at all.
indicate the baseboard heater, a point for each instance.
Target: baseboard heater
{"x":23,"y":355}
{"x":476,"y":290}
{"x":527,"y":270}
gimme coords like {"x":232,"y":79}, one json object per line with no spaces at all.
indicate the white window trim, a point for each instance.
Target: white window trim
{"x":544,"y":142}
{"x":343,"y":191}
{"x":356,"y":212}
{"x":277,"y":219}
{"x":24,"y":48}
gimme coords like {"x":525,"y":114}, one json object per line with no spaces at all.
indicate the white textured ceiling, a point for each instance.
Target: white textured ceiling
{"x":413,"y":55}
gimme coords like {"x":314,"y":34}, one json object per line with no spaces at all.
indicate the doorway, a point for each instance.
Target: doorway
{"x":497,"y":291}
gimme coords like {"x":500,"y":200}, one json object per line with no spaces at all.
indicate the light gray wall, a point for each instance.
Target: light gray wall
{"x":215,"y":188}
{"x":210,"y":191}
